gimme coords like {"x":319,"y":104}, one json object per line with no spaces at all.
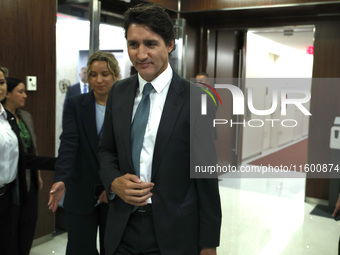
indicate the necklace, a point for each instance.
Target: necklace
{"x":101,"y":109}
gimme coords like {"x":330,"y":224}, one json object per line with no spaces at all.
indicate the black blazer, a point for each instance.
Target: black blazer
{"x":77,"y":163}
{"x":187,"y":212}
{"x":27,"y":161}
{"x":74,"y":90}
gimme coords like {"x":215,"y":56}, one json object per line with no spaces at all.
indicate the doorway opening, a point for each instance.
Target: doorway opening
{"x":278,"y":59}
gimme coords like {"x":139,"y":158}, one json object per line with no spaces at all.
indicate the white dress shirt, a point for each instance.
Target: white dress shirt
{"x":82,"y":87}
{"x":157,"y":100}
{"x":9,"y":150}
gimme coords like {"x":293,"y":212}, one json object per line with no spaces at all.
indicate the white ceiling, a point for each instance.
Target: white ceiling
{"x":301,"y":38}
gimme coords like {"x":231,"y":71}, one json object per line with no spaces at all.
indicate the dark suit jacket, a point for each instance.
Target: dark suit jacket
{"x":74,"y":90}
{"x":27,"y":119}
{"x":187,"y":212}
{"x":77,"y":163}
{"x":27,"y":161}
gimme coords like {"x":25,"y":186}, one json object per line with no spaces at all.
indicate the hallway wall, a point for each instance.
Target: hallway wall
{"x":27,"y":48}
{"x":262,"y":75}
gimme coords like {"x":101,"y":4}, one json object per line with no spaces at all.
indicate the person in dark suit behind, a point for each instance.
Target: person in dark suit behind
{"x":80,"y":87}
{"x":14,"y":195}
{"x":77,"y":166}
{"x":15,"y":99}
{"x":201,"y":79}
{"x":154,"y":205}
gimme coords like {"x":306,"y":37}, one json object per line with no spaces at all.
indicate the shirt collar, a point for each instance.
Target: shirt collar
{"x":159,"y":83}
{"x":3,"y":111}
{"x":82,"y":84}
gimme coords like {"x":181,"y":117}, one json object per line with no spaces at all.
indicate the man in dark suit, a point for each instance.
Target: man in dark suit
{"x":155,"y":206}
{"x":80,"y":87}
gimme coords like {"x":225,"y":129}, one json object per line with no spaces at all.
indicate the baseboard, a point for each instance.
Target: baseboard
{"x":316,"y":201}
{"x":42,"y":239}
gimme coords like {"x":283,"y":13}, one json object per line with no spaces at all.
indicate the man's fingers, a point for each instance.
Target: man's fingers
{"x":138,"y":192}
{"x":139,"y":186}
{"x":132,"y":177}
{"x":139,"y":197}
{"x":132,"y":190}
{"x":138,"y":201}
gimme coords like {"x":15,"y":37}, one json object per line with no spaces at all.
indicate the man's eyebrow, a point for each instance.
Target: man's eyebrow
{"x":151,"y":40}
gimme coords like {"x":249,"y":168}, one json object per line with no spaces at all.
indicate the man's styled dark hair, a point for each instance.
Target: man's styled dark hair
{"x":203,"y":74}
{"x":153,"y":16}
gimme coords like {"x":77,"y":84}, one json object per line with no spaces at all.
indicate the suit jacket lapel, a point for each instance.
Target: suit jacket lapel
{"x":26,"y":117}
{"x":126,"y":109}
{"x":88,"y":114}
{"x":172,"y":107}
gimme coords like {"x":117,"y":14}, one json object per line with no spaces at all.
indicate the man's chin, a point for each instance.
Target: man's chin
{"x":146,"y":75}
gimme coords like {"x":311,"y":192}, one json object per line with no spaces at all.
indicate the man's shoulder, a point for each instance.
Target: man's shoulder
{"x":126,"y":83}
{"x":75,"y":86}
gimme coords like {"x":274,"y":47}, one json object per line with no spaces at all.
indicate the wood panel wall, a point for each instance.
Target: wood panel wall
{"x":325,"y":101}
{"x":192,"y":54}
{"x":226,"y":66}
{"x":200,"y":5}
{"x":168,"y":4}
{"x":28,"y":48}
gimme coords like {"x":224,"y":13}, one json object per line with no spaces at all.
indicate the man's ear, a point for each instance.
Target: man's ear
{"x":171,"y":46}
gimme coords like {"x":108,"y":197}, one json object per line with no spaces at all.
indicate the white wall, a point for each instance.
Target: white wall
{"x":72,"y":35}
{"x":272,"y":65}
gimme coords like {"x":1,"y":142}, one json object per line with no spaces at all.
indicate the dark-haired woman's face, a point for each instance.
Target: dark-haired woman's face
{"x":17,"y":97}
{"x":3,"y":86}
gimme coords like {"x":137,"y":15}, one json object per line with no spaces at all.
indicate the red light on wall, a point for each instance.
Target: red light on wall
{"x":310,"y":50}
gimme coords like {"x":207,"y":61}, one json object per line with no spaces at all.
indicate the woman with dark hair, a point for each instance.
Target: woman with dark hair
{"x":17,"y":206}
{"x":15,"y":99}
{"x":9,"y":156}
{"x":77,"y":166}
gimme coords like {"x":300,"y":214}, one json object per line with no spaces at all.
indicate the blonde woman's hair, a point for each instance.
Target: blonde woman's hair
{"x":109,"y":58}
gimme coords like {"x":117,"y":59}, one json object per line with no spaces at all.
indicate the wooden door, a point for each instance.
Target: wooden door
{"x":225,"y":60}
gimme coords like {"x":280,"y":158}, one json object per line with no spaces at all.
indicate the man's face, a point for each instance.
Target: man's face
{"x":201,"y":79}
{"x":83,"y":74}
{"x":147,"y":51}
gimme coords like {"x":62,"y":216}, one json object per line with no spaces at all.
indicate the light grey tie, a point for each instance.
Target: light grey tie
{"x":138,"y":127}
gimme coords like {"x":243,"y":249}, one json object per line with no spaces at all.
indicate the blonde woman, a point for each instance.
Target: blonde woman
{"x":77,"y":167}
